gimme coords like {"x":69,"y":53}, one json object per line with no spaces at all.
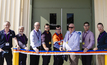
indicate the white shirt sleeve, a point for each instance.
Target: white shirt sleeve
{"x":32,"y":40}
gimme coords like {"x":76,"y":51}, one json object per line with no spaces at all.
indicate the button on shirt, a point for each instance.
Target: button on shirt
{"x":35,"y":39}
{"x":4,"y":38}
{"x":22,"y":40}
{"x":73,"y":43}
{"x":88,"y":39}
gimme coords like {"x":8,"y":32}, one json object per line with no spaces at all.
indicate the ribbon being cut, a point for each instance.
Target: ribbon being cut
{"x":90,"y":52}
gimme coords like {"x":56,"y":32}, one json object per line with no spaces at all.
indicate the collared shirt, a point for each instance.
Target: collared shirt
{"x":35,"y":39}
{"x":102,"y":42}
{"x":72,"y":41}
{"x":4,"y":38}
{"x":57,"y":37}
{"x":46,"y":39}
{"x":22,"y":40}
{"x":88,"y":39}
{"x":57,"y":40}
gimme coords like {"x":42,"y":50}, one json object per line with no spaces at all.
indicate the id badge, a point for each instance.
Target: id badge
{"x":83,"y":43}
{"x":7,"y":44}
{"x":49,"y":42}
{"x":61,"y":43}
{"x":67,"y":42}
{"x":38,"y":41}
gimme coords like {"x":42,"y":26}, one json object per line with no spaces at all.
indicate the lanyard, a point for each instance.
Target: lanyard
{"x":70,"y":35}
{"x":100,"y":37}
{"x":7,"y":36}
{"x":23,"y":39}
{"x":84,"y":37}
{"x":36,"y":34}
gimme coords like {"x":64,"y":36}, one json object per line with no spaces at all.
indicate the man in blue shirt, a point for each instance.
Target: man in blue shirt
{"x":35,"y":43}
{"x":6,"y":36}
{"x":72,"y":43}
{"x":101,"y":43}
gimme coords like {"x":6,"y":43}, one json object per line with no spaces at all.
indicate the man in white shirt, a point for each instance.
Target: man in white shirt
{"x":35,"y":43}
{"x":72,"y":43}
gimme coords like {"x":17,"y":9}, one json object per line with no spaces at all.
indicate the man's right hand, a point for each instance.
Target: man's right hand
{"x":37,"y":51}
{"x":47,"y":49}
{"x":1,"y":50}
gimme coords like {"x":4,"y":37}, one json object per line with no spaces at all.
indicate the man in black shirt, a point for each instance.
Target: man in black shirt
{"x":6,"y":36}
{"x":101,"y":43}
{"x":22,"y":40}
{"x":46,"y":43}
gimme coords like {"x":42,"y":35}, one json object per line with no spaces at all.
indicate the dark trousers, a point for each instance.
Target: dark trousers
{"x":46,"y":60}
{"x":7,"y":56}
{"x":34,"y":59}
{"x":86,"y":59}
{"x":58,"y":60}
{"x":22,"y":59}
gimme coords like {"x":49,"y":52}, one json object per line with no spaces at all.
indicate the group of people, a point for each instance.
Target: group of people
{"x":42,"y":41}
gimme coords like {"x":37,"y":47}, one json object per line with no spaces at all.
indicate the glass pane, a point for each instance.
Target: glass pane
{"x":70,"y":19}
{"x":53,"y":18}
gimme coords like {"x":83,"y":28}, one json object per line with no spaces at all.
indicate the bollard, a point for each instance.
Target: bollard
{"x":105,"y":59}
{"x":15,"y":58}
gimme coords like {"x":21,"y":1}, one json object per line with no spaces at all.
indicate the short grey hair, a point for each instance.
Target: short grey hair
{"x":21,"y":27}
{"x":6,"y":22}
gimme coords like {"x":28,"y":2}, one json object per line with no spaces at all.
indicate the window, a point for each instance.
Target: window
{"x":70,"y":19}
{"x":53,"y":20}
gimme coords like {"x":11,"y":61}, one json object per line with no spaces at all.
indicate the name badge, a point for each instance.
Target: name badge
{"x":67,"y":42}
{"x":7,"y":44}
{"x":38,"y":41}
{"x":10,"y":34}
{"x":83,"y":43}
{"x":49,"y":42}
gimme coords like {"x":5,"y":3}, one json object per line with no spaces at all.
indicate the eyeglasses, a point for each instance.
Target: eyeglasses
{"x":58,"y":29}
{"x":86,"y":25}
{"x":47,"y":27}
{"x":37,"y":25}
{"x":71,"y":27}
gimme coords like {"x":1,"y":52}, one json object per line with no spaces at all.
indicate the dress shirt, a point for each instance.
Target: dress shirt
{"x":88,"y":39}
{"x":72,"y":41}
{"x":35,"y":38}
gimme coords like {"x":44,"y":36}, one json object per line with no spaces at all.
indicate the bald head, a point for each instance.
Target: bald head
{"x":36,"y":25}
{"x":71,"y":24}
{"x":71,"y":27}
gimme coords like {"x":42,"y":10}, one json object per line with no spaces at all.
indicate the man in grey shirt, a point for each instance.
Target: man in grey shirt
{"x":35,"y":43}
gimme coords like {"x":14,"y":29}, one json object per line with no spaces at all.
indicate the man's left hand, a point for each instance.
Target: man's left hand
{"x":85,"y":50}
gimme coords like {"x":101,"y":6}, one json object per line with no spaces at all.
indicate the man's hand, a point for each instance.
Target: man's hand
{"x":1,"y":50}
{"x":47,"y":49}
{"x":18,"y":48}
{"x":61,"y":49}
{"x":85,"y":50}
{"x":95,"y":49}
{"x":37,"y":51}
{"x":26,"y":48}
